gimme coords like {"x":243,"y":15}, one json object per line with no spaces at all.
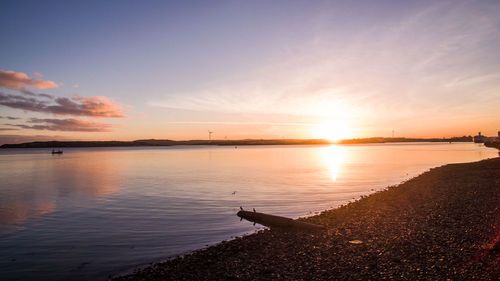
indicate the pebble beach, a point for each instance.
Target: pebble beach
{"x":441,"y":225}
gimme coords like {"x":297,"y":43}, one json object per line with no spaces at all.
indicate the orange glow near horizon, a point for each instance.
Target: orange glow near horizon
{"x":333,"y":130}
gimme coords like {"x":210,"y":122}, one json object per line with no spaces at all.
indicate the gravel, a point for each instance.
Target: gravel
{"x":441,"y":225}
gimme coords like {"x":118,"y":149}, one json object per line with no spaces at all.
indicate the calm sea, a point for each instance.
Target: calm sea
{"x":92,"y":212}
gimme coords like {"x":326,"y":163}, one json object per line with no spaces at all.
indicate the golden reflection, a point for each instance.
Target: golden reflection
{"x":38,"y":191}
{"x":18,"y":212}
{"x":334,"y":157}
{"x":94,"y":174}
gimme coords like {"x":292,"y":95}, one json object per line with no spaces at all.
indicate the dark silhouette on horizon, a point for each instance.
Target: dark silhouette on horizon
{"x":155,"y":142}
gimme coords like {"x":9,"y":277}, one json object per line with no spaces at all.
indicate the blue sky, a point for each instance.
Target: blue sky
{"x":259,"y":69}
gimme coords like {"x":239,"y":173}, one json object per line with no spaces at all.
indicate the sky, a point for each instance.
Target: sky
{"x":126,"y":70}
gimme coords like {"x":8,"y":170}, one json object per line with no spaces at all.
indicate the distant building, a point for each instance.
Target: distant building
{"x":480,"y":138}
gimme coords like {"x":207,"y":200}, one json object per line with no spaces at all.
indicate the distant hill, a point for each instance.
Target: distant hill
{"x":384,"y":140}
{"x":154,"y":142}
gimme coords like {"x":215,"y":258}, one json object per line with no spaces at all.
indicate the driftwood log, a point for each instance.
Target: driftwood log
{"x":278,"y":222}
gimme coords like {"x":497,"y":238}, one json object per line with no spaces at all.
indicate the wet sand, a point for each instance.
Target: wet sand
{"x":443,"y":224}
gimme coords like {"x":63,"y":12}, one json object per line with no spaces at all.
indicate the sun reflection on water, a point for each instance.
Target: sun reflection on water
{"x":334,"y":157}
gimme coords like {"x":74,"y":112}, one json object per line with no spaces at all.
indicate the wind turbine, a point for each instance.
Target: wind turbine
{"x":210,"y":135}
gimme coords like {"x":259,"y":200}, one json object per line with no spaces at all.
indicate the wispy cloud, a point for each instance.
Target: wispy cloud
{"x":424,"y":61}
{"x":18,"y":81}
{"x":73,"y":125}
{"x":77,"y":106}
{"x":9,"y":117}
{"x":32,"y":94}
{"x":8,"y":129}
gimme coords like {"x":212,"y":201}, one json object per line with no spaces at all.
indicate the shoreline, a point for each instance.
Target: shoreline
{"x":243,"y":142}
{"x":444,"y":223}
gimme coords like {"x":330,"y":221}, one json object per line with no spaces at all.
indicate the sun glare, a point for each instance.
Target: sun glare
{"x":334,"y":158}
{"x":333,"y":130}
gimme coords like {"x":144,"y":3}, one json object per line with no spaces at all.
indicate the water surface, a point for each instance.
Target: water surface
{"x":92,"y":212}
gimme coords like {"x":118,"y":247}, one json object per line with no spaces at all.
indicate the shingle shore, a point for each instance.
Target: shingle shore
{"x":443,"y":224}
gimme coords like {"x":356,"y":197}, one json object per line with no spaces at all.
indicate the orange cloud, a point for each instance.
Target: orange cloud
{"x":18,"y":81}
{"x":77,"y":106}
{"x":99,"y":107}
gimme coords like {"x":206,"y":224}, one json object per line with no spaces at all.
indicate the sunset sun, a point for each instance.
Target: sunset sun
{"x":333,"y":130}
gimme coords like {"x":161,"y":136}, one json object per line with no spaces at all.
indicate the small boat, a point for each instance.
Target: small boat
{"x":57,"y":151}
